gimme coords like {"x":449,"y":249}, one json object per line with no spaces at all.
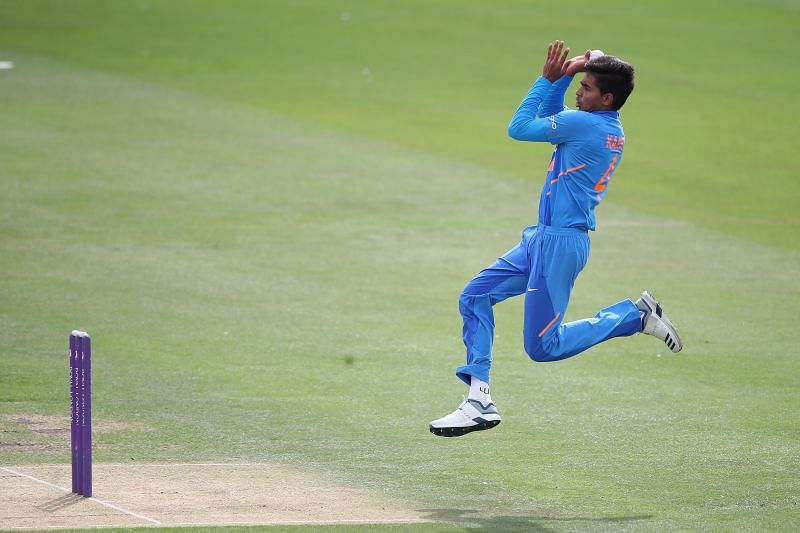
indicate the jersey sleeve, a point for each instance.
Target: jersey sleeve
{"x":553,"y":101}
{"x":524,"y":125}
{"x":566,"y":126}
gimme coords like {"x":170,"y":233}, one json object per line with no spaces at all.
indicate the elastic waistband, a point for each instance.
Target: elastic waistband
{"x":552,"y":230}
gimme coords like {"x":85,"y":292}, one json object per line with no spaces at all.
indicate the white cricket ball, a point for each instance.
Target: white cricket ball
{"x":594,"y":54}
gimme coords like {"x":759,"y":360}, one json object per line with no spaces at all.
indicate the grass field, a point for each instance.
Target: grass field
{"x":264,"y":213}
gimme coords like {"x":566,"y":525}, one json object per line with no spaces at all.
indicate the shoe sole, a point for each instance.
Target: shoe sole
{"x":459,"y":432}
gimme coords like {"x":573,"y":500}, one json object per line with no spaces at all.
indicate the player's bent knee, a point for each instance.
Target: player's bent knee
{"x":536,"y":351}
{"x":465,"y":301}
{"x":468,"y":300}
{"x":540,"y":351}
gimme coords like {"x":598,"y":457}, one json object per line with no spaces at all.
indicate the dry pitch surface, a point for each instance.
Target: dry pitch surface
{"x":126,"y":495}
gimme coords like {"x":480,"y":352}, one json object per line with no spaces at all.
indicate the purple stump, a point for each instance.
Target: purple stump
{"x":80,"y":362}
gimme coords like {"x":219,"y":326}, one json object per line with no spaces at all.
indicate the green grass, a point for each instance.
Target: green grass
{"x":266,"y":276}
{"x":709,"y":137}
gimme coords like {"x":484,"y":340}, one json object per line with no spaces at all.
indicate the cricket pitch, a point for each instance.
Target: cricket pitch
{"x":167,"y":495}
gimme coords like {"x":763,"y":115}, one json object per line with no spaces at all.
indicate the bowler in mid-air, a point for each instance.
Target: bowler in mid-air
{"x":589,"y":145}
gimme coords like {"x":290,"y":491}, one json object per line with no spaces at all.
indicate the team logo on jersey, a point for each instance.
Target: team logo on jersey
{"x":553,"y":121}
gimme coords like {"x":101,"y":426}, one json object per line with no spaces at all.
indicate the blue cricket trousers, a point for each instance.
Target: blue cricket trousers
{"x":544,"y":267}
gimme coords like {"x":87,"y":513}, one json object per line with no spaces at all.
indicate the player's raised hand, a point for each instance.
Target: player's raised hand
{"x":577,"y":63}
{"x":555,"y":64}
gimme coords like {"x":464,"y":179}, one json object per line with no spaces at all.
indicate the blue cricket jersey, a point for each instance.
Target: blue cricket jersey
{"x":588,"y":150}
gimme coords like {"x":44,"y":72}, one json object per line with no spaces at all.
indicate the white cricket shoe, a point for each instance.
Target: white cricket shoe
{"x":470,"y":416}
{"x":657,"y":324}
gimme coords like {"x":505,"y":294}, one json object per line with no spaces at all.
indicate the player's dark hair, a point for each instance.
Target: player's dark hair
{"x":612,"y":75}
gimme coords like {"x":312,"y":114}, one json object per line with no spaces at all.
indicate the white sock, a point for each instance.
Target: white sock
{"x":479,"y":390}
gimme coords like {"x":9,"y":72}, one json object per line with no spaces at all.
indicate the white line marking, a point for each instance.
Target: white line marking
{"x":120,"y":509}
{"x":101,"y":502}
{"x":43,"y":482}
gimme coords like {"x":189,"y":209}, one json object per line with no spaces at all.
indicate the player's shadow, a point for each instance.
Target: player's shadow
{"x":472,"y":520}
{"x":61,"y":503}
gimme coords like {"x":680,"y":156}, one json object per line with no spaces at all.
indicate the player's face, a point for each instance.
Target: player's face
{"x":588,"y":96}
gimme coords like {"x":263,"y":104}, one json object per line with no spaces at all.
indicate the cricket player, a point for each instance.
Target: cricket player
{"x":589,"y":143}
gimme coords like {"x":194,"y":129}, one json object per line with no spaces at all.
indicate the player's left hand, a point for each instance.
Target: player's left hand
{"x":577,"y":63}
{"x":555,"y":64}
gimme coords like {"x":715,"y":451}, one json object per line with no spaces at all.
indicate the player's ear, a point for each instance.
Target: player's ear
{"x":608,"y":100}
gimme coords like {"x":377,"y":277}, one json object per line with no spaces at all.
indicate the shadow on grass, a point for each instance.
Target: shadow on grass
{"x":472,"y":519}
